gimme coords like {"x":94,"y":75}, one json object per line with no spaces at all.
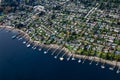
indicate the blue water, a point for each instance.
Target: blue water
{"x":17,"y":62}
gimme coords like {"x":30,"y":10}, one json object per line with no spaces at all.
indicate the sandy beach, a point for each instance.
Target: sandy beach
{"x":96,"y":59}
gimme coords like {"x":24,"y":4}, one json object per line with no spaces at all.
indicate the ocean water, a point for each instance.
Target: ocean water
{"x":17,"y":62}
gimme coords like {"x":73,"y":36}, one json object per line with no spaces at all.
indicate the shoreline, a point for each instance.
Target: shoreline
{"x":90,"y":58}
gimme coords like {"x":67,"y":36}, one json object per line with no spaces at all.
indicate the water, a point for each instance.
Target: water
{"x":17,"y":62}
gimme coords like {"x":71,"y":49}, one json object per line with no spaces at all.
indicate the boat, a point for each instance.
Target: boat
{"x":20,"y":38}
{"x":40,"y":49}
{"x":24,"y":42}
{"x":61,"y":58}
{"x":102,"y":66}
{"x":117,"y":71}
{"x":73,"y":58}
{"x":79,"y":61}
{"x":55,"y":57}
{"x":111,"y":68}
{"x":45,"y":52}
{"x":28,"y":45}
{"x":13,"y":37}
{"x":34,"y":47}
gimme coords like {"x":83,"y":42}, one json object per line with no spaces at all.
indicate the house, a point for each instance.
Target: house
{"x":117,"y":52}
{"x":39,"y":8}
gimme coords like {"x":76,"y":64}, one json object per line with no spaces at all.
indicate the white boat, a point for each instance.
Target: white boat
{"x":55,"y":57}
{"x":61,"y":58}
{"x":45,"y":52}
{"x":13,"y":37}
{"x":111,"y":68}
{"x":24,"y":42}
{"x":40,"y":49}
{"x":28,"y":45}
{"x":102,"y":67}
{"x":79,"y":61}
{"x":117,"y":71}
{"x":73,"y":58}
{"x":20,"y":38}
{"x":34,"y":47}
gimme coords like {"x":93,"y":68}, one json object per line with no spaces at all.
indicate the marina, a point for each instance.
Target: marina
{"x":83,"y":48}
{"x":59,"y":40}
{"x":68,"y":63}
{"x":70,"y":56}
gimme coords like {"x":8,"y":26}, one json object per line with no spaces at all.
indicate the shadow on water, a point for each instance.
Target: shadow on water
{"x":17,"y":62}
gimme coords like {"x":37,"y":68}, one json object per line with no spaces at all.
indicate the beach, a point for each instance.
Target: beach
{"x":96,"y":59}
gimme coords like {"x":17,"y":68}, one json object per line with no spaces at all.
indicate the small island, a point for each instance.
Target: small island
{"x":85,"y":29}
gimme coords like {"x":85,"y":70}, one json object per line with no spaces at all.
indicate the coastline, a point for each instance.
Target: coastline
{"x":90,"y":58}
